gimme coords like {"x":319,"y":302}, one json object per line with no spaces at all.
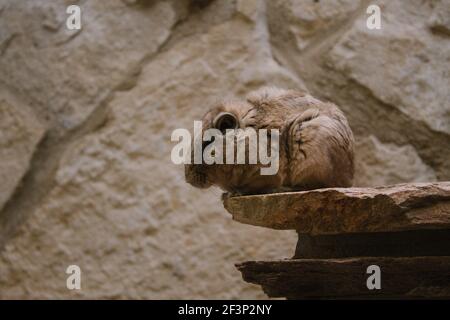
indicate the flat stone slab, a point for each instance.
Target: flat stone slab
{"x":401,"y":207}
{"x":404,"y":277}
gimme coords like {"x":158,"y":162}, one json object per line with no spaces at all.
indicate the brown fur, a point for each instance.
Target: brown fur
{"x":316,"y":144}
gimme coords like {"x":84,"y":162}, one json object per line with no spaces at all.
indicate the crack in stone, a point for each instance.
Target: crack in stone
{"x":327,"y":39}
{"x":7,"y":43}
{"x":38,"y":181}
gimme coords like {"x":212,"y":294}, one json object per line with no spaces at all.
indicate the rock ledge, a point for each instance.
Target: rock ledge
{"x":400,"y":207}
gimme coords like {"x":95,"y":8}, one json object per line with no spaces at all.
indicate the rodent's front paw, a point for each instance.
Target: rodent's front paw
{"x":227,"y":195}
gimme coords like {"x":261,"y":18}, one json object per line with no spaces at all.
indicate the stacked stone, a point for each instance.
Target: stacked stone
{"x":402,"y":231}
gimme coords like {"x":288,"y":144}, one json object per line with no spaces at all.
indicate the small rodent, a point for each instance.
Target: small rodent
{"x":315,"y":145}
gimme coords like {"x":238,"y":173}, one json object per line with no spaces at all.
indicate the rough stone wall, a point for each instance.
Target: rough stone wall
{"x":86,"y":118}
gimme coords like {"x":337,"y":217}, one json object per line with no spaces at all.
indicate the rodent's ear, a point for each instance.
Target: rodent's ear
{"x":309,"y":114}
{"x":225,"y":120}
{"x":265,"y":95}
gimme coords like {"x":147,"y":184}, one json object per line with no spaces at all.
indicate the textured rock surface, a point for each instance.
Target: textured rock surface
{"x":305,"y":22}
{"x":100,"y":190}
{"x":380,"y":163}
{"x":439,"y":22}
{"x":340,"y":210}
{"x":20,"y":132}
{"x":414,"y":277}
{"x":414,"y":77}
{"x":77,"y":69}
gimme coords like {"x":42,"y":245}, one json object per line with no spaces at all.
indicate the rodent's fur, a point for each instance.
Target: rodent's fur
{"x":316,"y":144}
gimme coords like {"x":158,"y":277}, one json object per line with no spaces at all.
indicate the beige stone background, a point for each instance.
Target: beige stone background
{"x":86,"y":118}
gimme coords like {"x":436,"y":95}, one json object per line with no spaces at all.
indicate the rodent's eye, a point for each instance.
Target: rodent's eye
{"x":224,"y":121}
